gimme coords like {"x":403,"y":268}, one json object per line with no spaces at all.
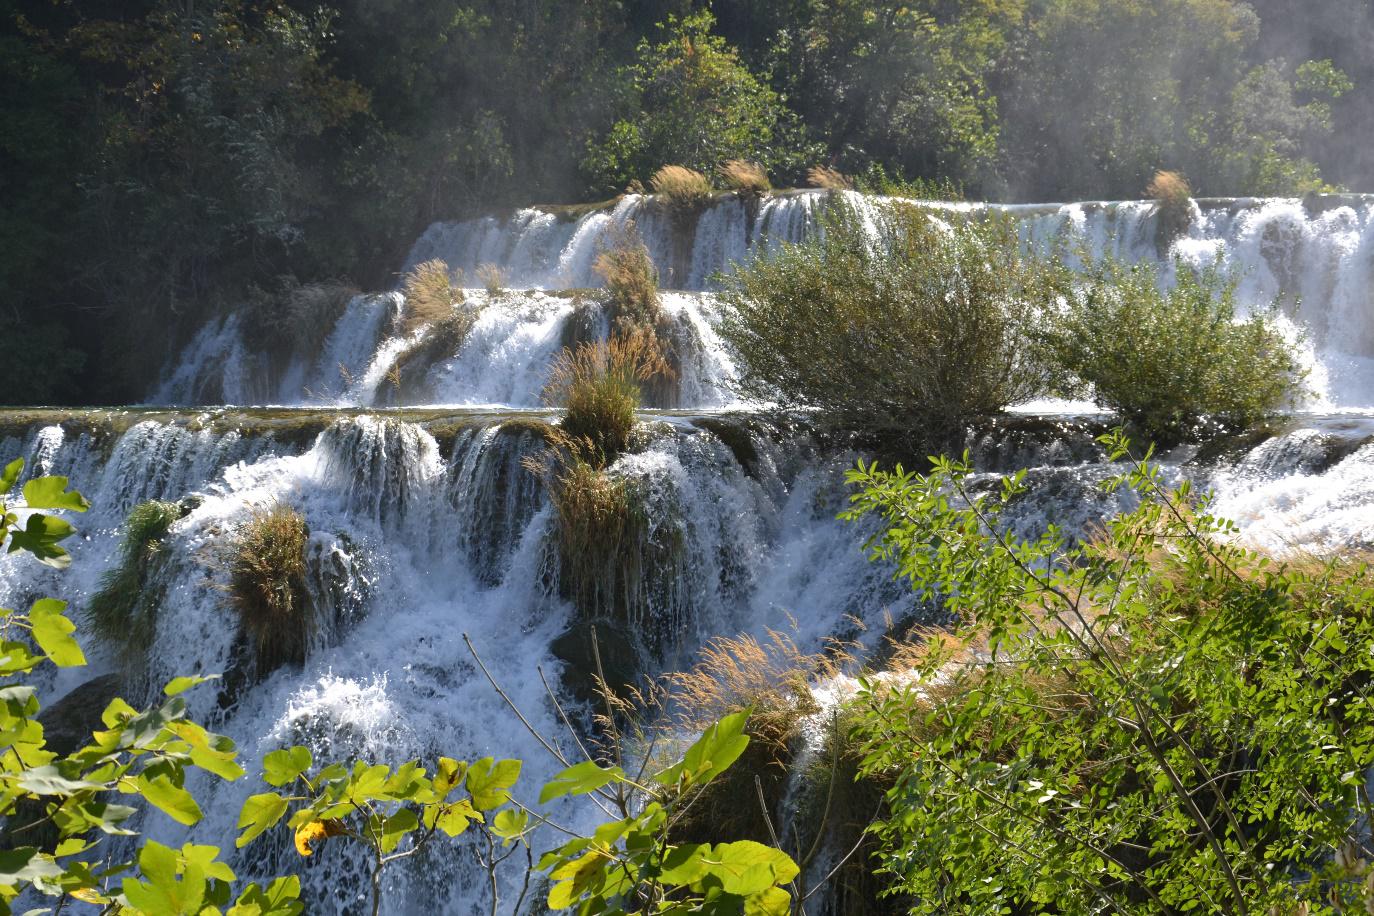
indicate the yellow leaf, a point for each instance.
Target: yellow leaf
{"x":89,"y":895}
{"x":314,"y":832}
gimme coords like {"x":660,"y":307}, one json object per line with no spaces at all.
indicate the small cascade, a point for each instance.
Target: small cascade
{"x":425,"y":526}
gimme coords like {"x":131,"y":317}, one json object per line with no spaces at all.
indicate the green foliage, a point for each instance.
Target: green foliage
{"x":66,"y":814}
{"x":628,"y":862}
{"x":267,"y":586}
{"x":1165,"y":359}
{"x":123,"y":613}
{"x":907,"y":334}
{"x":1156,"y":721}
{"x":690,"y":100}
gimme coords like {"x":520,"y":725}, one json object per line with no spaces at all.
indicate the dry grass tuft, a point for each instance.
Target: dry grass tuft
{"x":746,"y":178}
{"x":1175,"y":198}
{"x":431,"y":295}
{"x":601,"y":383}
{"x":493,"y":278}
{"x":828,"y":179}
{"x":684,"y":189}
{"x":631,"y":280}
{"x":267,"y":586}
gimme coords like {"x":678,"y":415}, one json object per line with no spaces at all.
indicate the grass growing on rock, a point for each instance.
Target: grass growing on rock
{"x":748,"y":179}
{"x":631,"y":280}
{"x":1174,"y":197}
{"x":828,"y":179}
{"x":266,"y":560}
{"x":684,"y":190}
{"x":600,"y":384}
{"x":431,"y":295}
{"x":123,"y":613}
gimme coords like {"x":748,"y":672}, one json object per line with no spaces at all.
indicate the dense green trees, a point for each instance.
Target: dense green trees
{"x":161,"y":161}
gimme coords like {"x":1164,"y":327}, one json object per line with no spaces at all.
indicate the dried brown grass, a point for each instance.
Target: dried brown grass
{"x":746,"y":178}
{"x":493,"y":278}
{"x":684,"y":190}
{"x":266,"y":563}
{"x":431,"y":293}
{"x":600,"y":383}
{"x":631,"y":279}
{"x":828,"y":179}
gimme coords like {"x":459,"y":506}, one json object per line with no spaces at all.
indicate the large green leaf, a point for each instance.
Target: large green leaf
{"x":286,"y":765}
{"x":488,"y":782}
{"x":10,"y":474}
{"x":52,"y":493}
{"x":171,"y":799}
{"x":717,"y":748}
{"x":259,"y":813}
{"x":579,"y":779}
{"x":53,"y":633}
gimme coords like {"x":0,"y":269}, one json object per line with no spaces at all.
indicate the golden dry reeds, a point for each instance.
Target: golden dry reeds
{"x":431,"y":294}
{"x":745,"y":178}
{"x":631,"y":279}
{"x":266,"y":562}
{"x":684,"y":190}
{"x":828,"y":179}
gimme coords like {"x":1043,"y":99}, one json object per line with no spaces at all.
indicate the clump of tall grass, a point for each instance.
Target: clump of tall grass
{"x":1174,"y":196}
{"x":748,"y":179}
{"x":600,"y":383}
{"x":493,"y":278}
{"x":684,"y":190}
{"x":123,"y":612}
{"x":828,"y":179}
{"x":431,"y":295}
{"x":266,"y":562}
{"x":1165,"y":359}
{"x":631,"y":280}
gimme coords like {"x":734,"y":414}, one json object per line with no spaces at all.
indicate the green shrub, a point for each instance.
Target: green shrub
{"x":123,"y":613}
{"x":1157,"y":720}
{"x":431,"y":295}
{"x":600,"y":385}
{"x":908,"y":337}
{"x":631,"y":281}
{"x":1164,"y":359}
{"x":266,"y":562}
{"x":684,"y":190}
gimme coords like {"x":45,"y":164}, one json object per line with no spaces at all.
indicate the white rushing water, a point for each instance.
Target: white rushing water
{"x":425,"y":525}
{"x":1315,"y":260}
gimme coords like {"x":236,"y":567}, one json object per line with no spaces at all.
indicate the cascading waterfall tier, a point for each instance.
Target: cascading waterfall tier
{"x":1312,"y":258}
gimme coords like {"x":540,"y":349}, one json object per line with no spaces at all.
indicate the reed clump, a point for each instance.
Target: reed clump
{"x":1172,"y":192}
{"x":493,"y":278}
{"x":432,"y":292}
{"x":123,"y":613}
{"x":684,"y":190}
{"x":268,"y":588}
{"x":748,"y":179}
{"x":631,"y":280}
{"x":600,"y":384}
{"x":828,"y":179}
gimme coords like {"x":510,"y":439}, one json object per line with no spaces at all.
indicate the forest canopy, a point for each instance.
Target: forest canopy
{"x":161,"y":161}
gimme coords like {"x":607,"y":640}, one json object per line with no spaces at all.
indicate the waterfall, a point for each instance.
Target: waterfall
{"x":425,"y":523}
{"x":1312,"y":259}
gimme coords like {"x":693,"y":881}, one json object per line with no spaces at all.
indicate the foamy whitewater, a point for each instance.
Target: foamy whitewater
{"x":424,"y":526}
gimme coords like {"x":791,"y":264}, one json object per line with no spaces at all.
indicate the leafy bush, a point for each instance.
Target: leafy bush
{"x":684,"y":191}
{"x":267,"y":586}
{"x":826,"y":178}
{"x":297,"y":316}
{"x":600,"y":385}
{"x":745,"y":178}
{"x":1164,"y":359}
{"x":631,"y":280}
{"x":905,"y":336}
{"x":123,"y":613}
{"x":1158,"y":720}
{"x":431,"y":295}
